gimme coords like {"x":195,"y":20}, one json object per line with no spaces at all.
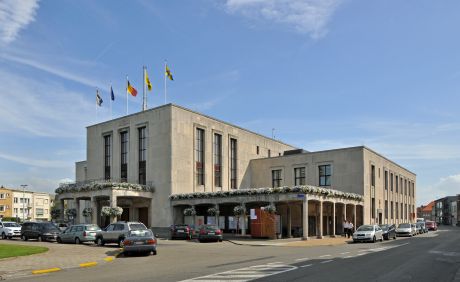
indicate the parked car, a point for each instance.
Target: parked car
{"x":421,"y":228}
{"x":418,"y":228}
{"x":368,"y":233}
{"x":140,"y":241}
{"x":404,"y":229}
{"x":414,"y":229}
{"x":389,"y":231}
{"x":117,"y":232}
{"x":209,"y":232}
{"x":181,"y":231}
{"x":9,"y":229}
{"x":79,"y":233}
{"x":431,"y":226}
{"x":62,"y":226}
{"x":42,"y":231}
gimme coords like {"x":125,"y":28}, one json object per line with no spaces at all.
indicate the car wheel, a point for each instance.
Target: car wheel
{"x":3,"y":236}
{"x":77,"y":241}
{"x":120,"y":242}
{"x":374,"y":240}
{"x":59,"y":240}
{"x":154,"y":253}
{"x":24,"y":238}
{"x":100,"y":242}
{"x":10,"y":237}
{"x":40,"y":239}
{"x":394,"y":237}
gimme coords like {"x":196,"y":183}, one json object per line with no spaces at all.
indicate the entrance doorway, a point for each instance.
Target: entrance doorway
{"x":144,"y":216}
{"x":125,"y":215}
{"x":380,"y":218}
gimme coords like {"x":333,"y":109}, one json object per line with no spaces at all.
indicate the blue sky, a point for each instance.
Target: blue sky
{"x":323,"y":73}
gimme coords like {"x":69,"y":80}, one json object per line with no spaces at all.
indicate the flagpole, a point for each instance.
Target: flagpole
{"x":96,"y":102}
{"x":144,"y":101}
{"x":127,"y":94}
{"x":165,"y":80}
{"x":111,"y":101}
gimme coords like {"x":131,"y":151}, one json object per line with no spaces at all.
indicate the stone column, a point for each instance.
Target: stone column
{"x":320,"y":235}
{"x":216,"y":206}
{"x":113,"y":204}
{"x":333,"y":219}
{"x":354,"y":216}
{"x":289,"y":223}
{"x":61,"y":216}
{"x":243,"y":221}
{"x":150,"y":215}
{"x":78,"y":214}
{"x":94,"y":215}
{"x":194,"y":216}
{"x":305,"y":218}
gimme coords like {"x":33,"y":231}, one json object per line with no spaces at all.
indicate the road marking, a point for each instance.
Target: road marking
{"x":361,"y":254}
{"x":307,"y":265}
{"x":276,"y":262}
{"x":43,"y":271}
{"x":344,"y":253}
{"x":302,"y":259}
{"x":246,"y":273}
{"x":323,"y":256}
{"x":88,"y":264}
{"x":326,"y":261}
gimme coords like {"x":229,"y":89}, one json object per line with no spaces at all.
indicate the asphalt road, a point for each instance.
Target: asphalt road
{"x":430,"y":257}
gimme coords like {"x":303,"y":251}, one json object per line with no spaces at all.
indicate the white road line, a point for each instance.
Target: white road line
{"x":276,"y":262}
{"x":361,"y":254}
{"x":326,"y":261}
{"x":344,"y":253}
{"x":360,"y":251}
{"x":307,"y":265}
{"x":323,"y":256}
{"x":302,"y":259}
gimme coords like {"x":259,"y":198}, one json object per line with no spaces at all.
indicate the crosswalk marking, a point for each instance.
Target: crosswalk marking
{"x":246,"y":273}
{"x":326,"y":261}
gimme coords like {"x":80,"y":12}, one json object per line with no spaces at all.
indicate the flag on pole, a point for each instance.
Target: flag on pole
{"x":112,"y":96}
{"x":168,"y":73}
{"x":147,"y":81}
{"x":131,"y":90}
{"x":98,"y":99}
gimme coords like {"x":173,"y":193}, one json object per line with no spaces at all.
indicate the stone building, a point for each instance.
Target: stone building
{"x":161,"y":163}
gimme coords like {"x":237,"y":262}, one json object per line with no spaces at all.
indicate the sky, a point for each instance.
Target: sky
{"x":323,"y":74}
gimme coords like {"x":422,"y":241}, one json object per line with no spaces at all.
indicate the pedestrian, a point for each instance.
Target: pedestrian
{"x":351,"y":229}
{"x":345,"y":228}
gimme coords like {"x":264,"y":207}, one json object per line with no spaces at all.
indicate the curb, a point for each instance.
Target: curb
{"x":48,"y":270}
{"x":253,"y":245}
{"x":88,"y":264}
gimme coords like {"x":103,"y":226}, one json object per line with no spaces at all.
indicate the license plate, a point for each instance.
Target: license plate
{"x":138,"y":243}
{"x":180,"y":231}
{"x":211,"y":233}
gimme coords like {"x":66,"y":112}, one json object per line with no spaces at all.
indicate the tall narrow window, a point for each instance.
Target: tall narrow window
{"x":397,"y":184}
{"x":269,"y":153}
{"x":401,"y":183}
{"x":402,"y":207}
{"x":372,"y":175}
{"x":391,"y":210}
{"x":299,"y":174}
{"x":276,"y":178}
{"x":405,"y":186}
{"x":397,"y":211}
{"x":142,"y":155}
{"x":257,"y":150}
{"x":217,"y":160}
{"x":199,"y":156}
{"x":386,"y":180}
{"x":233,"y":163}
{"x":107,"y":156}
{"x":124,"y":156}
{"x":373,"y":208}
{"x":391,"y":182}
{"x":386,"y":209}
{"x":325,"y":174}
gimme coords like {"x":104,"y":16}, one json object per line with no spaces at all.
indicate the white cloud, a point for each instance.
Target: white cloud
{"x":14,"y":16}
{"x":305,"y":16}
{"x":446,"y":186}
{"x":34,"y":162}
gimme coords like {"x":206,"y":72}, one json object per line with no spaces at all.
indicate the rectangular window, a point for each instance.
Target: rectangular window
{"x":2,"y":208}
{"x":372,"y":176}
{"x":373,"y":208}
{"x":405,"y":212}
{"x":142,"y":154}
{"x":107,"y":156}
{"x":386,"y":209}
{"x":2,"y":196}
{"x":299,"y":174}
{"x":15,"y":210}
{"x":391,"y":210}
{"x":199,"y":156}
{"x":39,"y":212}
{"x":401,"y":216}
{"x":257,"y":150}
{"x":391,"y":182}
{"x":269,"y":153}
{"x":325,"y":173}
{"x":124,"y":156}
{"x":276,"y":178}
{"x":401,"y":183}
{"x":233,"y":163}
{"x":217,"y":160}
{"x":15,"y":200}
{"x":386,"y":180}
{"x":397,"y":211}
{"x":409,"y":188}
{"x":397,"y":184}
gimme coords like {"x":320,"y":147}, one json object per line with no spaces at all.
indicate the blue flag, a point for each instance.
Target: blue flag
{"x":112,"y":96}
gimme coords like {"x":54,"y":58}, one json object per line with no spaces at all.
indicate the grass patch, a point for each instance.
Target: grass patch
{"x":7,"y":251}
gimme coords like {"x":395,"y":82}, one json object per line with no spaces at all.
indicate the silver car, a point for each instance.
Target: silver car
{"x":368,"y":233}
{"x":404,"y":229}
{"x":79,"y":233}
{"x":140,"y":241}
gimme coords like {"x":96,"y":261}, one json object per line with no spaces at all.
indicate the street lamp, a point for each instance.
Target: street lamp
{"x":23,"y":199}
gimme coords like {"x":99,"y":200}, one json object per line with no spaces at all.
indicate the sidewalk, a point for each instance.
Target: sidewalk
{"x":288,"y":242}
{"x":59,"y":256}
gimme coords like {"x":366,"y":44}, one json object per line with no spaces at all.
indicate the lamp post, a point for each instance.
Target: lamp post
{"x":23,"y":199}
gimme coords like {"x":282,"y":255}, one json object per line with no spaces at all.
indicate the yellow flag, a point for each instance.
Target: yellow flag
{"x":168,"y":73}
{"x":147,"y":81}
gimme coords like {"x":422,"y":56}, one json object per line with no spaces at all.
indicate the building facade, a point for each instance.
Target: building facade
{"x":158,"y":163}
{"x":6,"y":202}
{"x":427,"y":212}
{"x":446,"y":210}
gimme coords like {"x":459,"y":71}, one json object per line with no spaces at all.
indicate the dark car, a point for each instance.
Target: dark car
{"x":140,"y":241}
{"x":181,"y":231}
{"x":431,"y":225}
{"x":42,"y":231}
{"x":117,"y":232}
{"x":209,"y":232}
{"x":389,"y":231}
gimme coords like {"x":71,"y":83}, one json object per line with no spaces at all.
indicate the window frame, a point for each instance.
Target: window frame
{"x":325,"y":176}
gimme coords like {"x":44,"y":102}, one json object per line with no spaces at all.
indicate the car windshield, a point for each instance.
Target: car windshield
{"x":50,"y":227}
{"x":366,"y":228}
{"x":211,"y":227}
{"x":384,"y":227}
{"x":404,"y":225}
{"x":93,"y":228}
{"x":141,"y":233}
{"x":11,"y":224}
{"x":137,"y":226}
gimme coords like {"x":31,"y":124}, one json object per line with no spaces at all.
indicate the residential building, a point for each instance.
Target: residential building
{"x":446,"y":210}
{"x":161,"y":163}
{"x":427,"y":212}
{"x":22,"y":204}
{"x":6,"y":202}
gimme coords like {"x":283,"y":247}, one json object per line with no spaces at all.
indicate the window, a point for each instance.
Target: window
{"x":46,"y":201}
{"x":409,"y":189}
{"x":401,"y":216}
{"x":257,"y":150}
{"x":124,"y":156}
{"x":372,"y":176}
{"x":217,"y":160}
{"x":107,"y":156}
{"x":397,"y":182}
{"x":386,"y":209}
{"x":2,"y":196}
{"x":299,"y":174}
{"x":276,"y":178}
{"x":391,"y":182}
{"x":396,"y":211}
{"x":142,"y":155}
{"x":386,"y":180}
{"x":199,"y":156}
{"x":373,"y":208}
{"x":2,"y":208}
{"x":325,"y":173}
{"x":269,"y":153}
{"x":233,"y":163}
{"x":15,"y":210}
{"x":39,"y":212}
{"x":391,"y":210}
{"x":401,"y":182}
{"x":15,"y":200}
